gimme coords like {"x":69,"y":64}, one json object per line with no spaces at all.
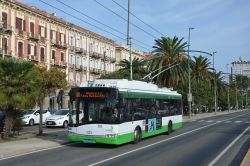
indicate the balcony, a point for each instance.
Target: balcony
{"x":71,"y":66}
{"x":84,"y":52}
{"x":33,"y":37}
{"x":6,"y":29}
{"x":79,"y":67}
{"x":53,"y":42}
{"x":91,"y":54}
{"x":79,"y":50}
{"x":33,"y":58}
{"x":113,"y":60}
{"x":42,"y":39}
{"x":72,"y":48}
{"x":21,"y":33}
{"x":61,"y":45}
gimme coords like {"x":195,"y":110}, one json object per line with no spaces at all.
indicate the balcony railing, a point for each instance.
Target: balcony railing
{"x":5,"y":28}
{"x":79,"y":50}
{"x":33,"y":58}
{"x":21,"y":33}
{"x":34,"y":37}
{"x":72,"y":48}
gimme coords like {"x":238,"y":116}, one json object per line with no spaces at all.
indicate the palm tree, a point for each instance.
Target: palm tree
{"x":18,"y":89}
{"x":138,"y":66}
{"x":200,"y":80}
{"x":167,"y":52}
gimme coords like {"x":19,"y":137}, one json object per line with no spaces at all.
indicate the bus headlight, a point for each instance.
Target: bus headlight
{"x":111,"y":135}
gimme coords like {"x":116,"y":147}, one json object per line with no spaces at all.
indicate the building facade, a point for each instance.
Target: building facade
{"x":123,"y":52}
{"x":241,"y":67}
{"x":31,"y":34}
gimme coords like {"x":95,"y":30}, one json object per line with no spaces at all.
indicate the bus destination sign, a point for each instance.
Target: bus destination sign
{"x":91,"y":94}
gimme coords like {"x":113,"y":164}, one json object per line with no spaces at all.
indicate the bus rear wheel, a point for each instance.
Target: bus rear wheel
{"x":137,"y":136}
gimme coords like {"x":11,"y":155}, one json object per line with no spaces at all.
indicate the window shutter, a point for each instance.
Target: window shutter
{"x":28,"y":49}
{"x":51,"y":32}
{"x":35,"y":50}
{"x":17,"y":23}
{"x":39,"y":30}
{"x":24,"y":25}
{"x":65,"y":39}
{"x":45,"y":32}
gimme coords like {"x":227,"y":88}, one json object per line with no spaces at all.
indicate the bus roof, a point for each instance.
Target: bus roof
{"x":124,"y":85}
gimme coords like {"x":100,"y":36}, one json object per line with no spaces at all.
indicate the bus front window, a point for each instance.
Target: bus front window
{"x":103,"y":113}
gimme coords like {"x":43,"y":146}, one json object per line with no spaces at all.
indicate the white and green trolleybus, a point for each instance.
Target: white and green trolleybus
{"x":117,"y":111}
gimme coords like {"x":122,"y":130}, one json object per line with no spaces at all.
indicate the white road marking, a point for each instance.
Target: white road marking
{"x":23,"y":154}
{"x":228,"y":147}
{"x":237,"y":121}
{"x":156,"y":143}
{"x":209,"y":121}
{"x":228,"y":121}
{"x":247,"y":122}
{"x":201,"y":121}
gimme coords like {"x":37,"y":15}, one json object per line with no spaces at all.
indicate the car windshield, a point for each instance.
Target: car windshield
{"x":28,"y":112}
{"x":62,"y":112}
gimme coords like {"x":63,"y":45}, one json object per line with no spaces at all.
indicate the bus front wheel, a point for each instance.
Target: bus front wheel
{"x":137,"y":135}
{"x":170,"y":128}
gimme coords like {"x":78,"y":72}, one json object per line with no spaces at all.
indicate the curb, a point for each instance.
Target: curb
{"x":246,"y":160}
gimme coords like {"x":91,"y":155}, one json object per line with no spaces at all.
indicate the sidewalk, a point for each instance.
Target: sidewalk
{"x":49,"y":141}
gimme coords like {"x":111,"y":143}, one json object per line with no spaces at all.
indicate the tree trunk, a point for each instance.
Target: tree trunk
{"x":9,"y":123}
{"x":41,"y":117}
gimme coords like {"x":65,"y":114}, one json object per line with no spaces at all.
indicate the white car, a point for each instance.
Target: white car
{"x":32,"y":116}
{"x":60,"y":118}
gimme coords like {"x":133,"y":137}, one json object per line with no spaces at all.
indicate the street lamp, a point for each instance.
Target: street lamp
{"x":215,"y":87}
{"x":228,"y":98}
{"x":189,"y":96}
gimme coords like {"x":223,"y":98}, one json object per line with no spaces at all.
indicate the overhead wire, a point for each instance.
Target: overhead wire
{"x":90,"y":23}
{"x":124,"y":19}
{"x":138,"y":18}
{"x":100,"y":22}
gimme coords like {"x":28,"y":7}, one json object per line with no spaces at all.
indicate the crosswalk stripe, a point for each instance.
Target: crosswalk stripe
{"x":237,"y":121}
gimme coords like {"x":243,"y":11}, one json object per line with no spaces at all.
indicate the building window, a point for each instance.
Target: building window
{"x":20,"y":24}
{"x":62,"y":56}
{"x":4,"y":19}
{"x":53,"y":58}
{"x":20,"y":49}
{"x":71,"y":40}
{"x":42,"y":53}
{"x":31,"y":49}
{"x":32,"y":28}
{"x":78,"y":43}
{"x":61,"y":38}
{"x":5,"y":44}
{"x":53,"y":35}
{"x":42,"y":31}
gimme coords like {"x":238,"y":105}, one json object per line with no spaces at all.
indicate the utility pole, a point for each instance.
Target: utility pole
{"x":228,"y":98}
{"x":189,"y":96}
{"x":104,"y":67}
{"x":215,"y":88}
{"x":129,"y":42}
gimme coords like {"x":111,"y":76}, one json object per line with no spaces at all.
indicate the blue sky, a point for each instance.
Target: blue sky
{"x":220,"y":25}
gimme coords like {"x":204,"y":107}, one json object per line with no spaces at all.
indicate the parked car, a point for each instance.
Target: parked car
{"x":32,"y":116}
{"x":2,"y":118}
{"x":60,"y":118}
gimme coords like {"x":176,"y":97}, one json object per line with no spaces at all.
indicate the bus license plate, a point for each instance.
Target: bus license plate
{"x":88,"y":141}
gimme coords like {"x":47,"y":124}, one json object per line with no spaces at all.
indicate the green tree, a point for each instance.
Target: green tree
{"x":49,"y":81}
{"x":167,"y":52}
{"x":18,"y":89}
{"x":200,"y":80}
{"x":139,"y":70}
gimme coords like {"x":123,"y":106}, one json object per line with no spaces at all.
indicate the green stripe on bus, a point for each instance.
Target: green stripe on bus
{"x":121,"y":139}
{"x":149,"y":95}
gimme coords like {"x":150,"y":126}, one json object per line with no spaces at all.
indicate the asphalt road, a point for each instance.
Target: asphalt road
{"x":221,"y":140}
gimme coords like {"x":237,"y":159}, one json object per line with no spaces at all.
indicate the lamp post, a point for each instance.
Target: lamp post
{"x":189,"y":96}
{"x":215,"y":87}
{"x":228,"y":98}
